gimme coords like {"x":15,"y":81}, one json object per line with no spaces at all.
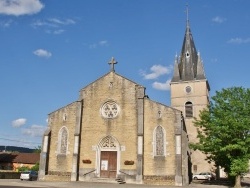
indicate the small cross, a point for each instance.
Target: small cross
{"x":112,"y":63}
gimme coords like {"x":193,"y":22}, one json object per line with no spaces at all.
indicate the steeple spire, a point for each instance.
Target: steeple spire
{"x":176,"y":76}
{"x":187,"y":12}
{"x":188,"y":63}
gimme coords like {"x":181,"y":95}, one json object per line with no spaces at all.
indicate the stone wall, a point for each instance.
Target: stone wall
{"x":64,"y":117}
{"x":199,"y":96}
{"x":95,"y":127}
{"x":4,"y":174}
{"x":159,"y":180}
{"x":159,"y":115}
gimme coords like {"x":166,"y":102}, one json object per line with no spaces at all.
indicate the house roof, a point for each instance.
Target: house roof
{"x":27,"y":158}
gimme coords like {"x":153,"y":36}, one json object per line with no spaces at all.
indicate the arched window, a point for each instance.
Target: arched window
{"x":189,"y":109}
{"x":159,"y":141}
{"x":63,"y":141}
{"x":108,"y":143}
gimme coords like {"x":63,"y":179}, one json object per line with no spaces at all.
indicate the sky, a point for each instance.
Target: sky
{"x":50,"y":49}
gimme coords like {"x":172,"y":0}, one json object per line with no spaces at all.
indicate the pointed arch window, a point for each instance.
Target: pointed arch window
{"x":159,"y":141}
{"x":108,"y":143}
{"x":63,"y":141}
{"x":189,"y":109}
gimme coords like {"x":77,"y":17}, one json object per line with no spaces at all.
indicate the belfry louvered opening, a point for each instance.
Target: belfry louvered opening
{"x":189,"y":109}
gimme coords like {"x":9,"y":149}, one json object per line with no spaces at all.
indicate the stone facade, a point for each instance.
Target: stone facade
{"x":113,"y":131}
{"x":63,"y":118}
{"x":199,"y":96}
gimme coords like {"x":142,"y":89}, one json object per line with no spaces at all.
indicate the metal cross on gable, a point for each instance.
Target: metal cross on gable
{"x":112,"y":64}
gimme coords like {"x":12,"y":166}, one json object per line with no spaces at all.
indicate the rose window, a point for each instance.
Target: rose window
{"x":110,"y":110}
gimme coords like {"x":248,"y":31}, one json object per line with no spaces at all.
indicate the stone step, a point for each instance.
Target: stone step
{"x":108,"y":180}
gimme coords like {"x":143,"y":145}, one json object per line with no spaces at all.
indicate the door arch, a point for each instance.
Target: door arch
{"x":108,"y":155}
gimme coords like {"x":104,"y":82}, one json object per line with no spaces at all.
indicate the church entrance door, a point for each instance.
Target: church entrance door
{"x":108,"y":164}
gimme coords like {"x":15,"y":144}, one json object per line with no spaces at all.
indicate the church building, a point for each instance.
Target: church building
{"x":114,"y":131}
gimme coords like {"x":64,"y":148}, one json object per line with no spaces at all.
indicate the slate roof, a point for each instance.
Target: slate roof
{"x":26,"y":158}
{"x":189,"y":65}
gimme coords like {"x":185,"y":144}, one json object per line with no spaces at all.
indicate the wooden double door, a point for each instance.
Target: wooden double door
{"x":108,"y":164}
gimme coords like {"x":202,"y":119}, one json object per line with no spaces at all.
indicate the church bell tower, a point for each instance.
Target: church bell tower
{"x":190,"y":93}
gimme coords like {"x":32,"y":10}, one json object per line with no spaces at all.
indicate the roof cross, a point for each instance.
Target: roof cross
{"x":112,"y":64}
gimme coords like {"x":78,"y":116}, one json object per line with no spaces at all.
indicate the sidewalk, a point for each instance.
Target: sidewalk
{"x":41,"y":184}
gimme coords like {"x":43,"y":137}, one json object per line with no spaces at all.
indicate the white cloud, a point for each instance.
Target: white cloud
{"x":61,"y":22}
{"x":39,"y":23}
{"x":103,"y":43}
{"x":53,"y":22}
{"x":20,"y":7}
{"x":239,"y":40}
{"x":56,"y":32}
{"x":214,"y":60}
{"x":6,"y":23}
{"x":59,"y":31}
{"x":156,"y":71}
{"x":42,"y":53}
{"x":218,"y":19}
{"x":34,"y":131}
{"x":53,"y":25}
{"x":98,"y":44}
{"x":162,"y":86}
{"x":19,"y":122}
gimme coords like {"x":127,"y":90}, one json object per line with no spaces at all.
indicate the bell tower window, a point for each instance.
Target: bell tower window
{"x":189,"y":109}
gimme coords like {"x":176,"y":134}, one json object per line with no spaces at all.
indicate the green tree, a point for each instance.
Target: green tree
{"x":224,"y":131}
{"x":38,"y":149}
{"x":23,"y":168}
{"x":35,"y":167}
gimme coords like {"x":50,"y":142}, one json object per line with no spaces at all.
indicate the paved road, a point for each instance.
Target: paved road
{"x":16,"y":183}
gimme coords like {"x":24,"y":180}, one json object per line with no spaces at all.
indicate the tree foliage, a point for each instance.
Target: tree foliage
{"x":23,"y":168}
{"x":38,"y":149}
{"x":224,"y":130}
{"x":35,"y":167}
{"x":26,"y":168}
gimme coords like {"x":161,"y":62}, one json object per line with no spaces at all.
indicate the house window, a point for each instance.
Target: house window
{"x":195,"y":168}
{"x":159,"y":138}
{"x":63,"y":141}
{"x":189,"y":109}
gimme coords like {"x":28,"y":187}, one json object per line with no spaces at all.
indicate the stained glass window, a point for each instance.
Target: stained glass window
{"x":63,"y":140}
{"x":159,"y":141}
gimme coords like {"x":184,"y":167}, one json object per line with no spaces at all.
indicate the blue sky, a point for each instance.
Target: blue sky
{"x":50,"y":49}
